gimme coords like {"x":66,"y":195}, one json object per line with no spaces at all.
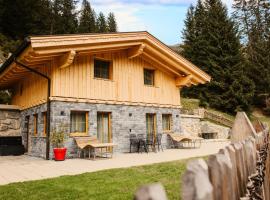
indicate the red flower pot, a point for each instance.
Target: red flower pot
{"x":59,"y":154}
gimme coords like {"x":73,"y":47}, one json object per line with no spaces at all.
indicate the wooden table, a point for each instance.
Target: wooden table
{"x":107,"y":146}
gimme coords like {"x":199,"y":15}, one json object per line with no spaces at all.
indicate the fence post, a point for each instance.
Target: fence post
{"x":195,"y":182}
{"x":232,"y":153}
{"x":230,"y":171}
{"x":153,"y":192}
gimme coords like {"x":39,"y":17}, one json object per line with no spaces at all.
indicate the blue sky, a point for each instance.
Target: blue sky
{"x":162,"y":18}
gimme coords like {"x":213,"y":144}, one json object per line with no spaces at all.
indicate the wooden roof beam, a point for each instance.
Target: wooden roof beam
{"x":183,"y":81}
{"x":135,"y":51}
{"x":67,"y":59}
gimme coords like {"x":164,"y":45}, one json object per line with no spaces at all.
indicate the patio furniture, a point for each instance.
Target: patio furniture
{"x":150,"y":141}
{"x":142,"y":143}
{"x":133,"y":141}
{"x":183,"y":140}
{"x":158,"y":141}
{"x":93,"y":144}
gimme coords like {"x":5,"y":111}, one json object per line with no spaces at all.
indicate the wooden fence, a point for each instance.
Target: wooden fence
{"x":227,"y":175}
{"x":206,"y":114}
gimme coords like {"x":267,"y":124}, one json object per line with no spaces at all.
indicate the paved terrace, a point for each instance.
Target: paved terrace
{"x":25,"y":168}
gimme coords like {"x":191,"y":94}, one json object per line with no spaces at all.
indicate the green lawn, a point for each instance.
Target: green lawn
{"x":108,"y":184}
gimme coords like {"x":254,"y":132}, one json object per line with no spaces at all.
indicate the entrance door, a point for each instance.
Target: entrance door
{"x":27,"y":119}
{"x":151,"y":126}
{"x":104,"y":134}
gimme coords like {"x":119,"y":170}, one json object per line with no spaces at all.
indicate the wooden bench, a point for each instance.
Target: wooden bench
{"x":92,"y":144}
{"x":177,"y":138}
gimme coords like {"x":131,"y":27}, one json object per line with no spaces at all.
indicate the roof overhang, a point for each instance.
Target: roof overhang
{"x":40,"y":50}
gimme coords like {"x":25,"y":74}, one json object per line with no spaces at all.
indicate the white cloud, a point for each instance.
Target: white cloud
{"x":125,"y":14}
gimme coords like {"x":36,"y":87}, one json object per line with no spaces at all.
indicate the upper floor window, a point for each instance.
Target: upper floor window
{"x":149,"y":77}
{"x":102,"y":69}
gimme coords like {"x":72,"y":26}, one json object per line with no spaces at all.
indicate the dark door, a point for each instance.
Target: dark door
{"x":27,"y":119}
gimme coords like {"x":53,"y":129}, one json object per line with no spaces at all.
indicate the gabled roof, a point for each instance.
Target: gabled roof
{"x":41,"y":50}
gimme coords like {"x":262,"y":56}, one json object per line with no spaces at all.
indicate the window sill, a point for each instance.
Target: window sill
{"x":78,"y":134}
{"x":36,"y":136}
{"x":167,"y":131}
{"x":103,"y":79}
{"x":151,"y":86}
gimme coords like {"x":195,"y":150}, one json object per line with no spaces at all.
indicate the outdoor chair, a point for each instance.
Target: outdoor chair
{"x":133,"y":141}
{"x":142,"y":143}
{"x":150,"y":142}
{"x":158,"y":141}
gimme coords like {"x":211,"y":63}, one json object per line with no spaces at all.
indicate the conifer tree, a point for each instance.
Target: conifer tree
{"x":101,"y":23}
{"x":87,"y":21}
{"x":253,"y":19}
{"x":64,"y":17}
{"x":21,"y":18}
{"x":213,"y":45}
{"x":111,"y":22}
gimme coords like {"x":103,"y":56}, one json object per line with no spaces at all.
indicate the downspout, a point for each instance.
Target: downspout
{"x":48,"y":124}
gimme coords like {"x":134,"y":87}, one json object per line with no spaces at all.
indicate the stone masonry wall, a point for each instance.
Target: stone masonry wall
{"x":36,"y":144}
{"x":195,"y":124}
{"x":125,"y":120}
{"x":9,"y":122}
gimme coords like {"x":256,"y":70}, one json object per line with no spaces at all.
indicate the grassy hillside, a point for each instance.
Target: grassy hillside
{"x":255,"y":115}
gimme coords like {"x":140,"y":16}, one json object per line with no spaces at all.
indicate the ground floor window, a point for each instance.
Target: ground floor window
{"x":44,"y":116}
{"x":104,"y":127}
{"x":79,"y":121}
{"x":35,"y":124}
{"x":167,"y":122}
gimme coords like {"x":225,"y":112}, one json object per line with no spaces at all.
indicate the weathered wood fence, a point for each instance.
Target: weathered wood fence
{"x":206,"y":114}
{"x":239,"y":171}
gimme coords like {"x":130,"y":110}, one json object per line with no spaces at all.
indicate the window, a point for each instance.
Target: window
{"x":78,"y":122}
{"x":102,"y":69}
{"x":44,"y":116}
{"x":35,"y":124}
{"x":166,"y":122}
{"x":149,"y":76}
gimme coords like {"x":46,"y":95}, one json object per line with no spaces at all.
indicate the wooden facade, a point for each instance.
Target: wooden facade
{"x":69,"y":62}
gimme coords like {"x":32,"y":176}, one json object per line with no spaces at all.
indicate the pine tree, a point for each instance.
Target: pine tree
{"x":101,"y":23}
{"x":253,"y":19}
{"x":87,"y":21}
{"x":21,"y":18}
{"x":111,"y":22}
{"x":64,"y":17}
{"x":212,"y":43}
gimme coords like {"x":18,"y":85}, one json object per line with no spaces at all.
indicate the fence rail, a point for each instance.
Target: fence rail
{"x":206,"y":114}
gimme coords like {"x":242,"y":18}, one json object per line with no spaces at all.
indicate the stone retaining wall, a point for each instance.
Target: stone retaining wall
{"x":9,"y":121}
{"x":195,"y":124}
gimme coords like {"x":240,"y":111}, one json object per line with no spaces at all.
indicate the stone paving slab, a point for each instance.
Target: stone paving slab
{"x":26,"y":168}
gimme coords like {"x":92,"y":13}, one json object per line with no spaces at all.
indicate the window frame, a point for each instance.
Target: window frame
{"x":153,"y":71}
{"x":44,"y":117}
{"x":110,"y":72}
{"x":78,"y":134}
{"x":35,"y":133}
{"x":170,"y":122}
